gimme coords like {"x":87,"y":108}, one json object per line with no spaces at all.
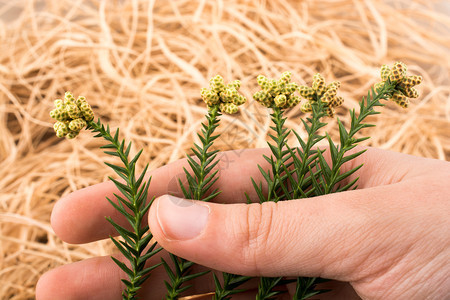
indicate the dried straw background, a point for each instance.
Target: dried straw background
{"x":141,"y":65}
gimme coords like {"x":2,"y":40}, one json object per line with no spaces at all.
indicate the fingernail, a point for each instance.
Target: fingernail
{"x":181,"y":219}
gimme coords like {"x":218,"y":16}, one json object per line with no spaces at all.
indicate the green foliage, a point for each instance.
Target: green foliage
{"x":179,"y":275}
{"x":276,"y":176}
{"x":329,"y":178}
{"x":200,"y":182}
{"x":306,"y":288}
{"x":132,"y":204}
{"x":229,"y":287}
{"x":267,"y":285}
{"x":299,"y":178}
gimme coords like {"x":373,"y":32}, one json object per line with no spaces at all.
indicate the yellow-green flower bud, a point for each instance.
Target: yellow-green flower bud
{"x":77,"y":124}
{"x":400,"y":99}
{"x":87,"y":112}
{"x":293,"y":100}
{"x":330,"y":94}
{"x":410,"y":81}
{"x":286,"y":76}
{"x":306,"y":107}
{"x":228,"y":108}
{"x":73,"y":111}
{"x":261,"y":96}
{"x":68,"y":97}
{"x":291,"y":87}
{"x":306,"y":92}
{"x":61,"y":129}
{"x":204,"y":93}
{"x":398,"y":71}
{"x":239,"y":100}
{"x":217,"y":84}
{"x":263,"y":82}
{"x":59,"y":104}
{"x":272,"y":86}
{"x":214,"y":99}
{"x":209,"y":97}
{"x":280,"y":100}
{"x":330,"y":111}
{"x":72,"y":135}
{"x":60,"y":125}
{"x":81,"y":100}
{"x":327,"y":100}
{"x":59,"y":114}
{"x":335,"y":84}
{"x":337,"y":101}
{"x":236,"y":84}
{"x":385,"y":72}
{"x":378,"y":86}
{"x":228,"y":94}
{"x":411,"y":92}
{"x":318,"y":84}
{"x":326,"y":93}
{"x":60,"y":133}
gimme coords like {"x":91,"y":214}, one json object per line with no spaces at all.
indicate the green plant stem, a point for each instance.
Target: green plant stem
{"x":230,"y":284}
{"x":201,"y":181}
{"x":275,"y":177}
{"x":306,"y":287}
{"x":305,"y":155}
{"x":280,"y":154}
{"x":266,"y":286}
{"x":277,"y":189}
{"x":332,"y":176}
{"x":132,"y":204}
{"x":199,"y":184}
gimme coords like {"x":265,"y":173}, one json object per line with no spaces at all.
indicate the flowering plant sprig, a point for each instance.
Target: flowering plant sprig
{"x":225,"y":98}
{"x":396,"y":86}
{"x":403,"y":84}
{"x":72,"y":116}
{"x":277,"y":95}
{"x":220,"y":98}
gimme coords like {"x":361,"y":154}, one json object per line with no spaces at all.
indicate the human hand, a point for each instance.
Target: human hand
{"x":389,"y":239}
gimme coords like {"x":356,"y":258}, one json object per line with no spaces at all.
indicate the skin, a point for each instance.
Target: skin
{"x":389,"y":239}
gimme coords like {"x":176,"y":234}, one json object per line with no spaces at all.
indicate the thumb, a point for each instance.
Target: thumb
{"x":324,"y":236}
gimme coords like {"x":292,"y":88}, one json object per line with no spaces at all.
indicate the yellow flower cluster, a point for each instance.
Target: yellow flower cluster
{"x":71,"y":115}
{"x":405,"y":84}
{"x":277,"y":92}
{"x":226,"y":97}
{"x":327,"y":94}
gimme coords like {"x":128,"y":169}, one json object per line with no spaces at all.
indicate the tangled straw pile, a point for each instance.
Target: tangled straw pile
{"x":141,"y":64}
